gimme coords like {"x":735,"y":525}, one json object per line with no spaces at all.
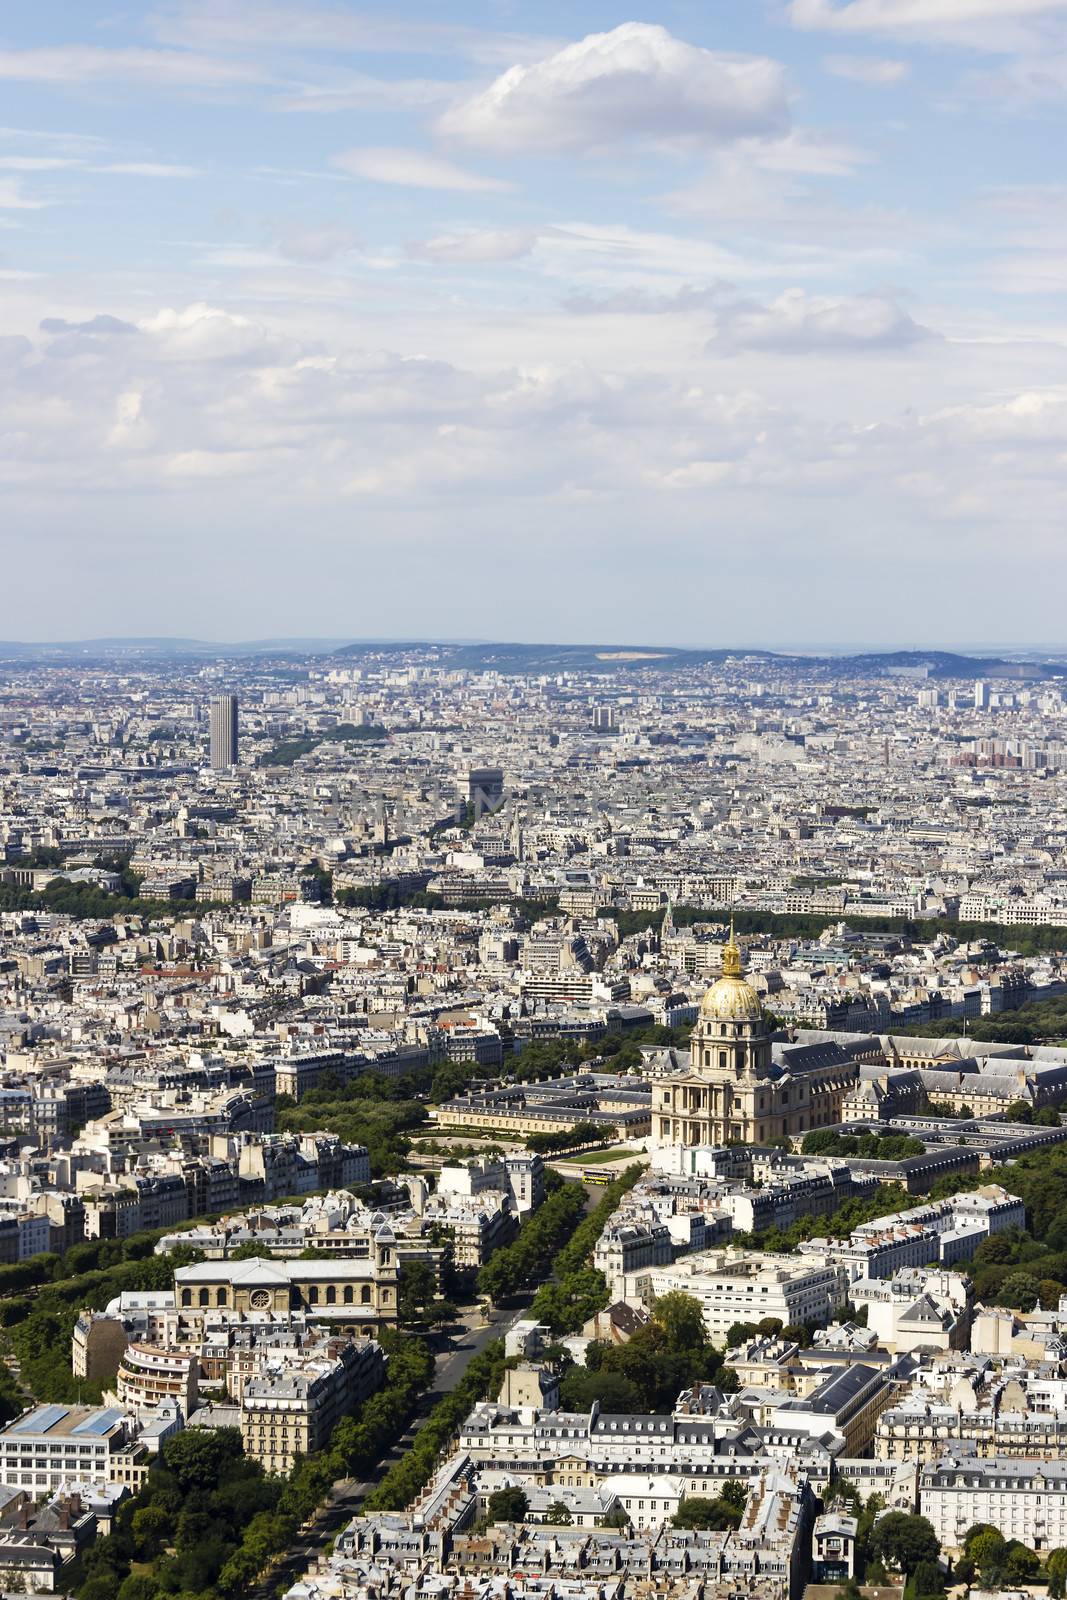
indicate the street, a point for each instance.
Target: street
{"x":469,"y":1340}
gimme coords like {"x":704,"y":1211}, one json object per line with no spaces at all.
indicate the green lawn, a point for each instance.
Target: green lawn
{"x":595,"y":1158}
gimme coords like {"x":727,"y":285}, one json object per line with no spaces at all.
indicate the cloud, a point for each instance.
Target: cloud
{"x":473,"y":247}
{"x":84,"y":63}
{"x":647,"y":302}
{"x":13,"y":198}
{"x":358,"y":91}
{"x":216,"y":25}
{"x":150,"y":169}
{"x":635,"y":84}
{"x":975,"y":24}
{"x":324,"y":243}
{"x":38,"y":163}
{"x":805,"y":151}
{"x":100,"y":324}
{"x":876,"y":72}
{"x":416,"y":169}
{"x":200,"y":401}
{"x":797,"y":321}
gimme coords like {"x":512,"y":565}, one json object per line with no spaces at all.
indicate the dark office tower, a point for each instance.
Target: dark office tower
{"x":224,"y":731}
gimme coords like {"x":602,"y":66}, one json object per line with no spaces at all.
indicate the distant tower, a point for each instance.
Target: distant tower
{"x":981,"y":695}
{"x":224,"y":731}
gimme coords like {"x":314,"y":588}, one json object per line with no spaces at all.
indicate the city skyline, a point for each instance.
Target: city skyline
{"x":716,"y":325}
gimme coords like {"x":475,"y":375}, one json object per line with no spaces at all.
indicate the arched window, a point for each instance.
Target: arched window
{"x":204,"y":1297}
{"x":313,"y":1295}
{"x":364,"y":1295}
{"x":187,"y":1297}
{"x":331,"y":1295}
{"x":348,"y":1294}
{"x":221,"y":1297}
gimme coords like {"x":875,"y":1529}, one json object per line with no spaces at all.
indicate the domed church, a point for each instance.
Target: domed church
{"x":738,"y":1087}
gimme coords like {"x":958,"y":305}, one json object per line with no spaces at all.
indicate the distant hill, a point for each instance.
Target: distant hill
{"x":550,"y":659}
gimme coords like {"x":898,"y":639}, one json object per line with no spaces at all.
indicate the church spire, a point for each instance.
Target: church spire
{"x":731,"y":955}
{"x":667,"y":930}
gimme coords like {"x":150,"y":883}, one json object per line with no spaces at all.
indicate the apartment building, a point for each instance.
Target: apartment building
{"x":1024,"y":1499}
{"x":292,"y":1407}
{"x":739,"y":1286}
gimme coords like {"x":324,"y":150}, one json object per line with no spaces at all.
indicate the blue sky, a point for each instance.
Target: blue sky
{"x":705,"y":323}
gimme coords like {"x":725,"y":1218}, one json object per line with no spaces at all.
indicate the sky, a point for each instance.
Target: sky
{"x":714,"y":322}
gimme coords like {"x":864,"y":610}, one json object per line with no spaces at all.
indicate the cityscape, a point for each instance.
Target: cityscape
{"x":533,"y":800}
{"x":556,"y":1130}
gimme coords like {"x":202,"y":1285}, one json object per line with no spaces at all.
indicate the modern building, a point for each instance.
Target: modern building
{"x":224,"y":747}
{"x":53,"y":1445}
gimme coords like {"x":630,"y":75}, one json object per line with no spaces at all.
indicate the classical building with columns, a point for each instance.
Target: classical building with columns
{"x":740,"y":1087}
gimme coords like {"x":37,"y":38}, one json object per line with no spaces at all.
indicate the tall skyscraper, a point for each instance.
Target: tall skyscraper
{"x":981,"y":695}
{"x":224,"y":731}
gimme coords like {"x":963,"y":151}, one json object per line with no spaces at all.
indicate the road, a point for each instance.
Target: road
{"x":472,"y":1335}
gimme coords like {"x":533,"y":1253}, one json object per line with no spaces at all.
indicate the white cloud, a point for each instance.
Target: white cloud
{"x":804,"y":151}
{"x":973,"y":24}
{"x":313,"y":244}
{"x":473,"y":246}
{"x":358,"y":91}
{"x":194,"y":399}
{"x":82,"y":63}
{"x":265,"y":25}
{"x":877,"y":72}
{"x":38,"y":163}
{"x":636,"y":83}
{"x":150,"y":169}
{"x":416,"y":169}
{"x":797,"y":321}
{"x":12,"y":197}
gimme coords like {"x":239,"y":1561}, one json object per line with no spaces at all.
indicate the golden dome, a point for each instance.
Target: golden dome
{"x":730,"y":998}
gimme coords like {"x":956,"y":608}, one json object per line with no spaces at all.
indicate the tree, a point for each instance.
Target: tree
{"x":903,"y":1541}
{"x":734,"y":1493}
{"x":1056,"y":1568}
{"x":559,"y":1515}
{"x":928,"y":1580}
{"x":249,"y":1251}
{"x":682,"y":1320}
{"x":615,"y":1392}
{"x":697,"y":1512}
{"x":616,"y":1518}
{"x":984,"y":1544}
{"x":196,"y":1456}
{"x":138,"y":1586}
{"x":418,"y":1286}
{"x":1021,"y":1291}
{"x":1021,"y":1564}
{"x":508,"y":1505}
{"x":740,"y":1333}
{"x":149,"y":1527}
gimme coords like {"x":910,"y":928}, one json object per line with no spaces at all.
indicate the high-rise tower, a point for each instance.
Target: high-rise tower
{"x":224,"y":731}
